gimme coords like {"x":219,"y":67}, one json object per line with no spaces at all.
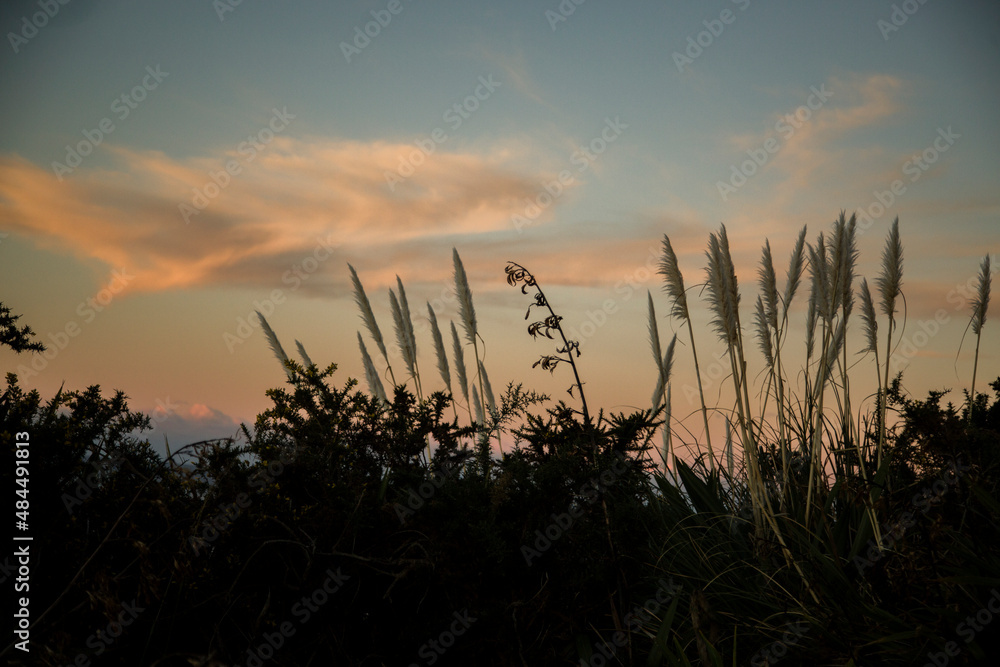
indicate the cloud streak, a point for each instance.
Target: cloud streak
{"x":294,"y":194}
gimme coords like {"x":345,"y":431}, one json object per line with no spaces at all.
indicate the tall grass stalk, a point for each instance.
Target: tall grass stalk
{"x":368,"y":317}
{"x":302,"y":354}
{"x":467,"y":311}
{"x":889,"y":283}
{"x":723,"y":296}
{"x":459,"y":356}
{"x":274,"y":344}
{"x":442,"y":357}
{"x":407,"y":346}
{"x":793,"y":278}
{"x":979,"y":306}
{"x":674,"y":285}
{"x":371,"y":375}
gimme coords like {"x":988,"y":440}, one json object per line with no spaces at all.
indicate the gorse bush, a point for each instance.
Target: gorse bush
{"x":365,"y":528}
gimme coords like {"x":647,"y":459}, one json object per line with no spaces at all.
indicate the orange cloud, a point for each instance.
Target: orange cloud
{"x":170,"y":225}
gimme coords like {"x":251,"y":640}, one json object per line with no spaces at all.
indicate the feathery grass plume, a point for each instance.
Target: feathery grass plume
{"x":463,"y":381}
{"x":673,"y":281}
{"x":724,"y":320}
{"x":836,"y":344}
{"x":666,"y":368}
{"x":654,"y":338}
{"x":442,"y":358}
{"x":368,"y":317}
{"x":371,"y":375}
{"x":302,"y":354}
{"x":272,"y":341}
{"x":466,"y":311}
{"x":848,"y":256}
{"x":761,"y":320}
{"x":819,"y":264}
{"x":982,"y":301}
{"x":889,"y":282}
{"x":768,"y":286}
{"x":795,"y":267}
{"x":403,"y":339}
{"x":979,"y":306}
{"x":868,"y":318}
{"x":835,"y":261}
{"x":487,"y":389}
{"x":811,"y":323}
{"x":732,"y":285}
{"x":845,"y":257}
{"x":407,"y":320}
{"x":478,"y":405}
{"x":674,"y":285}
{"x":890,"y":279}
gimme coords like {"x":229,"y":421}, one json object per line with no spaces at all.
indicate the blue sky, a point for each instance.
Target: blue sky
{"x":310,"y":136}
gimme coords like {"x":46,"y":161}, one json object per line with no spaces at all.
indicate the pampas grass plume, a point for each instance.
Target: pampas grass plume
{"x":371,"y":375}
{"x":465,"y":308}
{"x":272,"y":341}
{"x":442,"y":358}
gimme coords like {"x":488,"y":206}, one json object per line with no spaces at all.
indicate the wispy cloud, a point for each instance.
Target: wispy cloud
{"x":272,"y":214}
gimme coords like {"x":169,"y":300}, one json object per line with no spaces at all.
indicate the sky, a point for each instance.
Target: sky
{"x":167,"y":168}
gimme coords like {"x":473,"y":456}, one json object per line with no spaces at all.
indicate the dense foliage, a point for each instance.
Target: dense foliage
{"x":212,"y":557}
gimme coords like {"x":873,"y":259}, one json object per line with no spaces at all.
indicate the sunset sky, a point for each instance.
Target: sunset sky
{"x":168,"y":167}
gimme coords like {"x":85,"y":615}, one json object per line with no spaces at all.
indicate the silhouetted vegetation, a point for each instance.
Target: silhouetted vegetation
{"x":354,"y":528}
